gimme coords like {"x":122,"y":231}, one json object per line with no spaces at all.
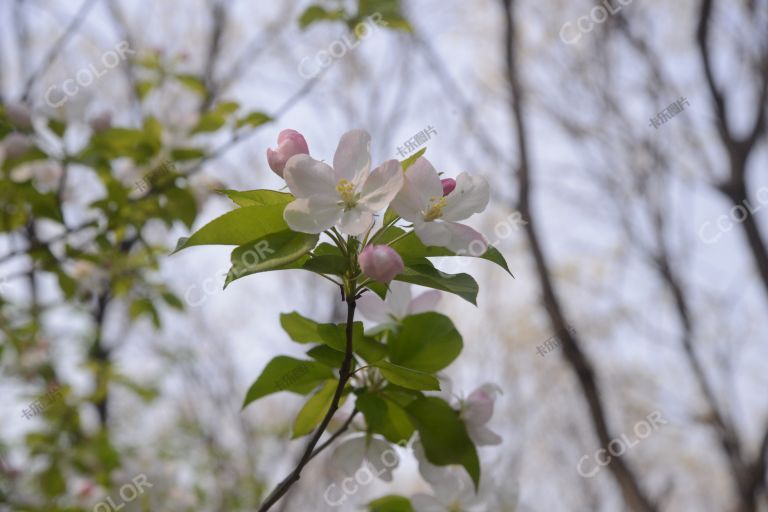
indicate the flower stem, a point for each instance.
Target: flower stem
{"x":383,"y":229}
{"x":344,"y":375}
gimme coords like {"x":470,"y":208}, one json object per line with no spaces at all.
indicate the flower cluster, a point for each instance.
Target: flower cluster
{"x":348,"y":195}
{"x":382,"y":224}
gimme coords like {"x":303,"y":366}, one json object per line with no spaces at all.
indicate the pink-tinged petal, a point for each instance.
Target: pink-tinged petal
{"x":398,"y":298}
{"x":382,"y":185}
{"x":349,"y":455}
{"x":434,"y":234}
{"x":307,"y":177}
{"x":477,"y":411}
{"x":355,"y":221}
{"x":380,"y":263}
{"x":448,"y":185}
{"x":312,"y":215}
{"x":456,"y":237}
{"x":372,"y":307}
{"x":471,"y":195}
{"x":352,"y":160}
{"x":424,"y":302}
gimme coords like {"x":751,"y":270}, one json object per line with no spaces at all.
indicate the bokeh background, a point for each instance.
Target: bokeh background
{"x":626,"y":232}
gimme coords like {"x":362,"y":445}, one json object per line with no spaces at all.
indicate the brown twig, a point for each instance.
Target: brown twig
{"x":309,"y":451}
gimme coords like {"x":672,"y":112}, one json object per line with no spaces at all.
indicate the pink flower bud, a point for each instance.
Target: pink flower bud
{"x":19,"y":115}
{"x":16,"y":145}
{"x":101,"y":122}
{"x":289,"y":143}
{"x":448,"y":185}
{"x":380,"y":262}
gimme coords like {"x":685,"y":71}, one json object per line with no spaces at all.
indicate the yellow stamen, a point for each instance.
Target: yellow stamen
{"x":435,"y":210}
{"x":346,"y":190}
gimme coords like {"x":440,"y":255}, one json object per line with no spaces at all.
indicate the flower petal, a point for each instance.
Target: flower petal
{"x":425,"y":503}
{"x":398,"y":298}
{"x":424,"y":302}
{"x":373,"y":308}
{"x":349,"y":455}
{"x":421,"y":184}
{"x":306,"y":177}
{"x":312,"y":215}
{"x":352,"y":160}
{"x":356,"y":221}
{"x":471,"y":195}
{"x":483,"y":436}
{"x":383,"y":457}
{"x":458,"y":238}
{"x":382,"y":185}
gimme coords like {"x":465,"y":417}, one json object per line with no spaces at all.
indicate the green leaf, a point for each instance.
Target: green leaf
{"x":261,"y":197}
{"x":411,"y":248}
{"x":209,"y":122}
{"x":253,"y":120}
{"x":304,"y":330}
{"x":285,"y":373}
{"x":408,"y":378}
{"x":327,"y":355}
{"x":300,"y":328}
{"x":411,"y":160}
{"x":238,"y":227}
{"x":444,"y":436}
{"x":270,"y":252}
{"x":182,"y":154}
{"x":385,"y":417}
{"x":425,"y":274}
{"x":314,"y":410}
{"x":427,"y":342}
{"x":315,"y":13}
{"x":330,"y":264}
{"x":391,"y":503}
{"x":145,"y":307}
{"x":57,"y":127}
{"x":192,"y":82}
{"x":182,"y":205}
{"x":389,"y":12}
